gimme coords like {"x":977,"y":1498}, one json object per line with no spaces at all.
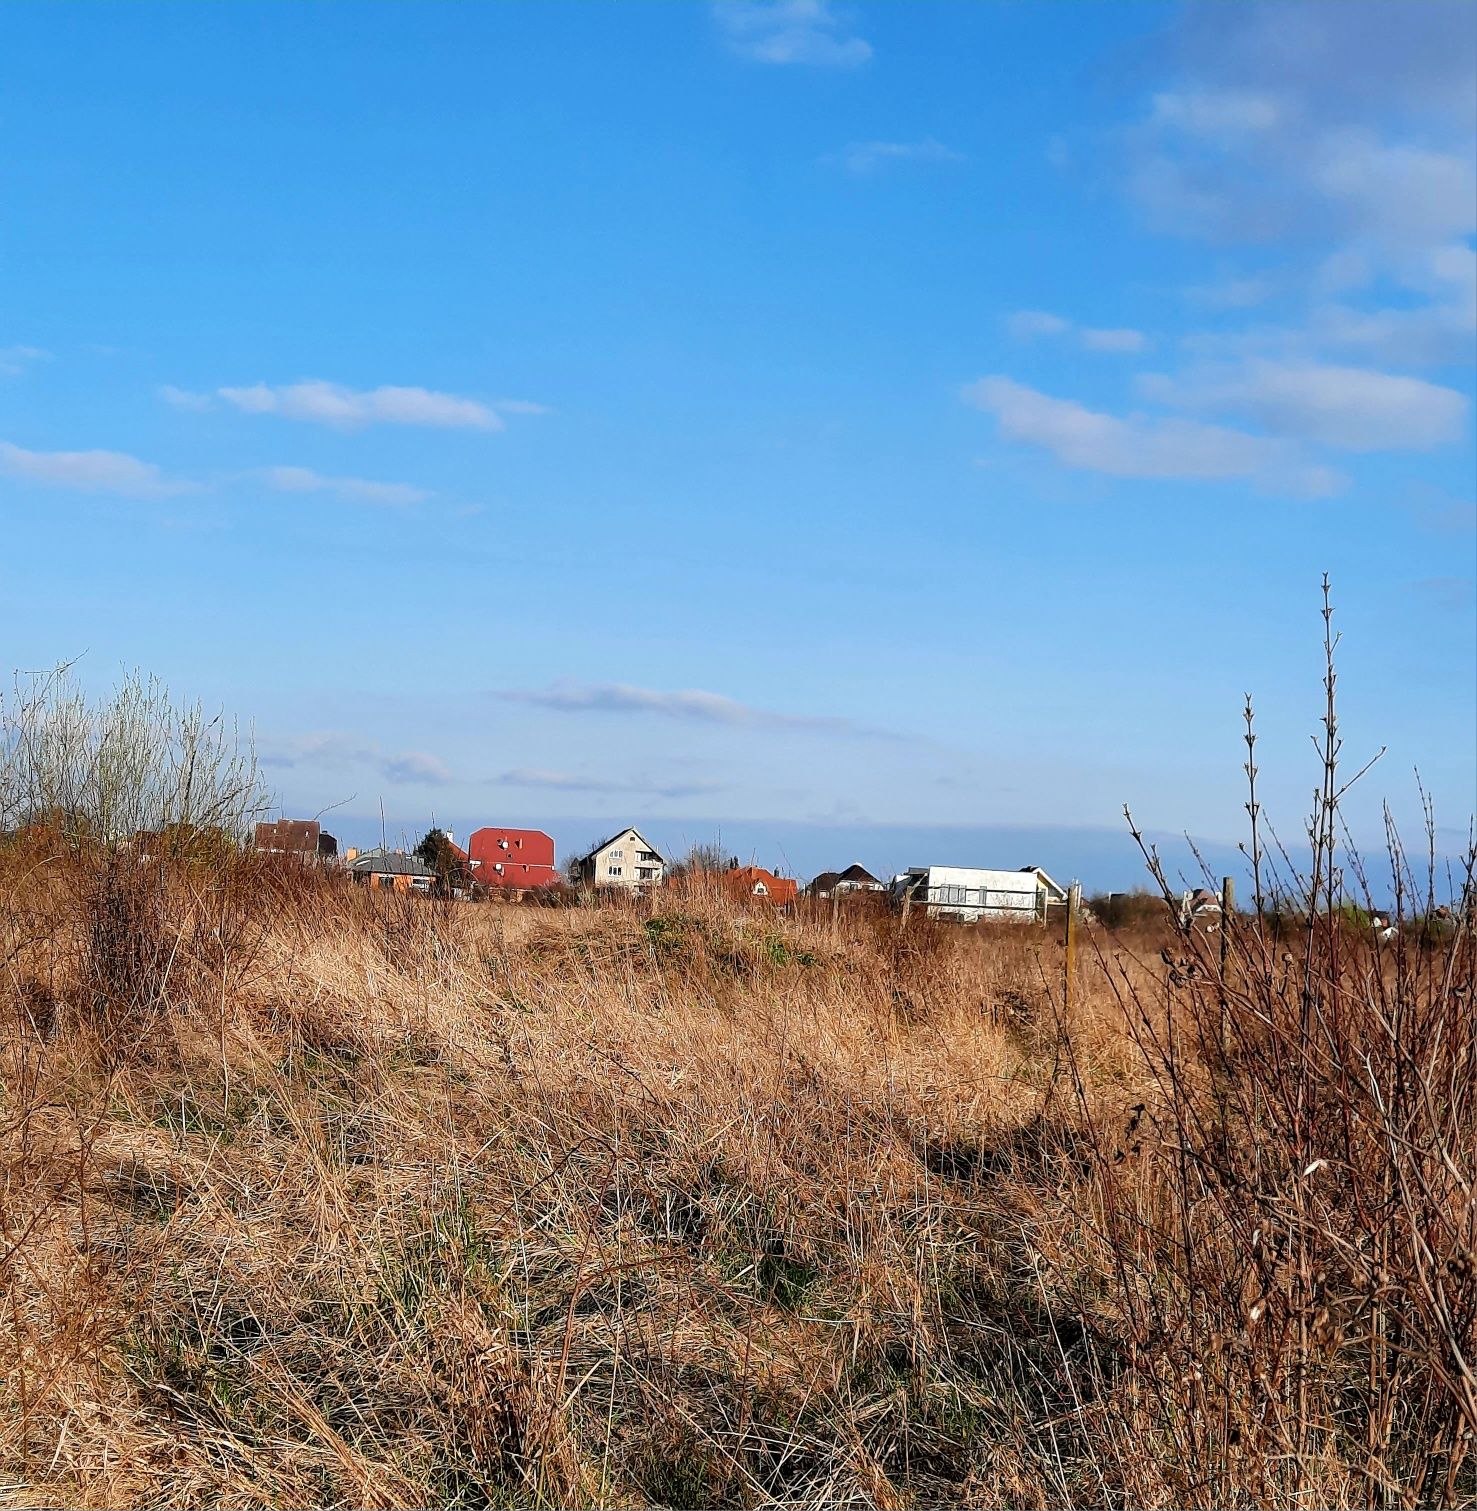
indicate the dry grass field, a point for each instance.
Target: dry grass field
{"x":312,"y":1197}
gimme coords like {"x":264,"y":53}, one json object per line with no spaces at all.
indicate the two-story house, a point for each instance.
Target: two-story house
{"x":627,"y":859}
{"x":501,"y":857}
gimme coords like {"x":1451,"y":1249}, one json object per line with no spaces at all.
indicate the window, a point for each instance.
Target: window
{"x":616,"y":855}
{"x":647,"y":873}
{"x":647,"y":855}
{"x":387,"y":882}
{"x":612,"y":870}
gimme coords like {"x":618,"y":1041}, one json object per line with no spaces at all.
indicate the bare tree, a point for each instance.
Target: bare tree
{"x":104,"y":769}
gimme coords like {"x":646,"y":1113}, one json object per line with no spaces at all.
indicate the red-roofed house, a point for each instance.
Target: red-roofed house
{"x":511,"y":858}
{"x":755,"y":881}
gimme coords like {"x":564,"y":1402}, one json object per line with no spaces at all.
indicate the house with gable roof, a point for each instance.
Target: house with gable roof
{"x":626,"y":859}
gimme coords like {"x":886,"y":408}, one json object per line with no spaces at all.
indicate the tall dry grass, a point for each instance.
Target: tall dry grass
{"x":313,"y":1196}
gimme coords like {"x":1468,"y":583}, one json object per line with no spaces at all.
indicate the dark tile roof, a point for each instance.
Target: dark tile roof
{"x":387,"y":863}
{"x":624,"y":829}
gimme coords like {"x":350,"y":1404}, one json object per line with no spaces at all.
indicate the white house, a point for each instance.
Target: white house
{"x":969,"y":893}
{"x":627,"y":859}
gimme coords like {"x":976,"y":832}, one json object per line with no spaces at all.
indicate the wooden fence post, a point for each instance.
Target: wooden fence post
{"x":1074,"y":906}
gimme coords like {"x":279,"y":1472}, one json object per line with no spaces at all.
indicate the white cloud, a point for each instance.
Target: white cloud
{"x":416,"y":767}
{"x":1343,"y":122}
{"x":14,"y":360}
{"x":335,"y":750}
{"x":333,"y":404}
{"x":1114,"y":340}
{"x":90,"y":471}
{"x":1233,"y":293}
{"x":790,"y":31}
{"x":689,"y":705}
{"x":1219,"y":114}
{"x":863,"y":158}
{"x":564,"y":781}
{"x":183,"y":398}
{"x":519,"y":406}
{"x":1027,"y":325}
{"x":1408,"y":195}
{"x":1351,"y":408}
{"x":349,"y":489}
{"x":1144,"y":446}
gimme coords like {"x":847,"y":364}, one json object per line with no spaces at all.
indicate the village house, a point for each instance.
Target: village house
{"x":854,"y":878}
{"x":1056,"y":894}
{"x":300,"y":838}
{"x":498,"y":857}
{"x":1200,"y":906}
{"x":390,"y":870}
{"x":755,"y":881}
{"x":627,"y":859}
{"x":967,"y":894}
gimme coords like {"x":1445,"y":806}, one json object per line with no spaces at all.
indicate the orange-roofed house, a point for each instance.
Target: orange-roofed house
{"x":755,"y":881}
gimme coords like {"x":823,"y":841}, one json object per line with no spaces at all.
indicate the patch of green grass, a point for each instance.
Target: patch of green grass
{"x":784,"y":1280}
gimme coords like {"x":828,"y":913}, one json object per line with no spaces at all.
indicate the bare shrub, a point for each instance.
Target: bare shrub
{"x":131,"y":763}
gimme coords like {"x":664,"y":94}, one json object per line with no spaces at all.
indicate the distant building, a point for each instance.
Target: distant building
{"x":755,"y":881}
{"x":299,"y":837}
{"x":627,"y":859}
{"x":1200,"y":906}
{"x":968,"y":894}
{"x":390,"y":870}
{"x":838,"y":883}
{"x":511,"y":858}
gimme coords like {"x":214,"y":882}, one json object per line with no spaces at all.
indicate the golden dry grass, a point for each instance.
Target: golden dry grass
{"x":334,"y":1199}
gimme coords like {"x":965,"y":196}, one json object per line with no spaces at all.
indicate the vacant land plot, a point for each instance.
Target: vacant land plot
{"x":313,"y":1197}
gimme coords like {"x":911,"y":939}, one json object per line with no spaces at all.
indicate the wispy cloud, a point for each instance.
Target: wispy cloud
{"x":1222,"y":115}
{"x":334,"y":750}
{"x":862,"y":158}
{"x":810,"y":32}
{"x":354,"y":490}
{"x":350,"y":409}
{"x":1445,"y":592}
{"x":1350,"y":408}
{"x":1120,"y":340}
{"x":90,"y":472}
{"x":1232,"y":292}
{"x":688,"y":705}
{"x":183,"y":398}
{"x":1340,"y":129}
{"x":564,"y":781}
{"x":1145,"y":446}
{"x":14,"y":360}
{"x":1032,"y":325}
{"x":1027,"y":325}
{"x":323,"y":403}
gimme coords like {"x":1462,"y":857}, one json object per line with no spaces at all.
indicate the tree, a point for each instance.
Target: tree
{"x":700,"y":858}
{"x":438,"y":852}
{"x":102,"y":770}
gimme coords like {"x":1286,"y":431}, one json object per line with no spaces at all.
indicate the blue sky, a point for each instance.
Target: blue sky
{"x":799,"y":418}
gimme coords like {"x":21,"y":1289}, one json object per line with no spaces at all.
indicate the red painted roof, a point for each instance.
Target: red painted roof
{"x":745,"y":881}
{"x":512,"y":857}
